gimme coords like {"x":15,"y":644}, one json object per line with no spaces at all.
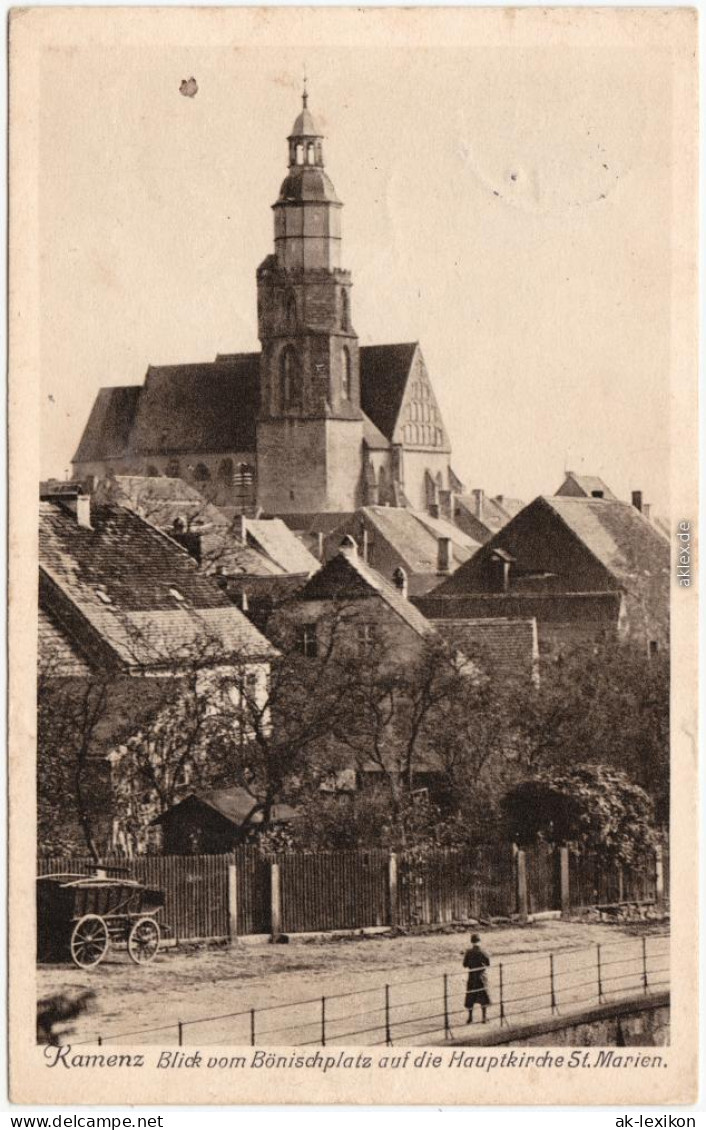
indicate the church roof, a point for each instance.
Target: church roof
{"x":305,"y":125}
{"x":307,"y":183}
{"x":384,"y":370}
{"x":213,"y":406}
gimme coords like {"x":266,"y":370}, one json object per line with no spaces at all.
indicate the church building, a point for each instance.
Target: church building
{"x":314,"y":422}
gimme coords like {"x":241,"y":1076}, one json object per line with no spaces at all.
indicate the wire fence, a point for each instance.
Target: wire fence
{"x":520,"y":988}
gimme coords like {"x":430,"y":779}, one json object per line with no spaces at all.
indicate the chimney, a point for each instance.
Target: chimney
{"x":83,"y":511}
{"x":478,"y":494}
{"x":348,"y":547}
{"x":399,"y":580}
{"x":433,"y":509}
{"x":243,"y":529}
{"x":245,"y":607}
{"x":637,"y":500}
{"x":444,"y":556}
{"x":320,"y":545}
{"x":646,"y":509}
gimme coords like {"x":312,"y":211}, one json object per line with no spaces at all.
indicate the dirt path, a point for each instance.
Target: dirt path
{"x":352,"y":975}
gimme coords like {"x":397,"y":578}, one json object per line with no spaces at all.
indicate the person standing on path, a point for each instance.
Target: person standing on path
{"x":476,"y":961}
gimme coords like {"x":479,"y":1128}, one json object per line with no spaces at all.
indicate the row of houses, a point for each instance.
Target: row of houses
{"x":140,"y":574}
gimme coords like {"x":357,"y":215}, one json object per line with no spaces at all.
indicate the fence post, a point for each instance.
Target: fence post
{"x":552,"y":984}
{"x":564,"y":895}
{"x":502,"y":1001}
{"x":388,"y":1033}
{"x":275,"y":900}
{"x":600,"y":977}
{"x":392,"y":887}
{"x":659,"y":879}
{"x":180,"y":1029}
{"x":522,"y":902}
{"x":232,"y":902}
{"x":323,"y":1022}
{"x":447,"y":1026}
{"x":644,"y":963}
{"x":252,"y":1027}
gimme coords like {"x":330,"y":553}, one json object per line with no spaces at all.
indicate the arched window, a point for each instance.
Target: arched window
{"x":202,"y":473}
{"x":291,"y":385}
{"x":152,"y":471}
{"x":173,"y":469}
{"x":310,"y":153}
{"x":291,"y":309}
{"x":347,"y":375}
{"x":225,"y":472}
{"x":345,"y":310}
{"x":300,"y":154}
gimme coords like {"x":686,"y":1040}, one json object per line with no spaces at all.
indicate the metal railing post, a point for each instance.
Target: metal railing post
{"x":644,"y":963}
{"x":502,"y":1002}
{"x":600,"y":978}
{"x":555,"y":1008}
{"x":323,"y":1022}
{"x":252,"y":1027}
{"x":388,"y":1033}
{"x":100,"y":1041}
{"x":180,"y":1028}
{"x":447,"y":1026}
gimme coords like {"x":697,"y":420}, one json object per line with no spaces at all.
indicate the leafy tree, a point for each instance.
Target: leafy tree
{"x":591,"y":806}
{"x":606,"y":704}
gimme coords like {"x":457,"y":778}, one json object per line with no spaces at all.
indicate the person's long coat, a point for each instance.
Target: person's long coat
{"x":476,"y":961}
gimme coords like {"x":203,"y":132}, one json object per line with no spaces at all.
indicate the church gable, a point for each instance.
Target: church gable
{"x":419,"y":423}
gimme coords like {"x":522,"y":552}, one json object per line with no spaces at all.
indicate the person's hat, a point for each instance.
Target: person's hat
{"x":475,"y":937}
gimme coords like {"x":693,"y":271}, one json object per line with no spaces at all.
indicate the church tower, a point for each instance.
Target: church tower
{"x":310,"y":429}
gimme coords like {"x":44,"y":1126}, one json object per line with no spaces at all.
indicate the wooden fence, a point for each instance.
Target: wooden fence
{"x":222,"y":896}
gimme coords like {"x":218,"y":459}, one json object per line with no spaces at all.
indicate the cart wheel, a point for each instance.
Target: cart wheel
{"x":143,"y":940}
{"x":89,"y":941}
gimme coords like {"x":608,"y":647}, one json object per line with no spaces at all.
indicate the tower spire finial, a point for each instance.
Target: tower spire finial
{"x":305,"y":92}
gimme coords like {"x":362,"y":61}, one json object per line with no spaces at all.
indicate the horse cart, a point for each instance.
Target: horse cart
{"x":81,"y":916}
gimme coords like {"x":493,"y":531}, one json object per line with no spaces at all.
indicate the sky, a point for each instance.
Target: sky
{"x":507,"y":205}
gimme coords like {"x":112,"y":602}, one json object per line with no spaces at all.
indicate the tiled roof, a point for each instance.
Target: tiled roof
{"x":384,"y":370}
{"x":213,"y":406}
{"x":205,"y":407}
{"x":511,"y":506}
{"x":493,"y":515}
{"x":633,"y":555}
{"x":583,"y":486}
{"x":59,"y":657}
{"x":161,"y":500}
{"x":235,"y":805}
{"x":508,"y":647}
{"x":134,"y":592}
{"x":108,"y":429}
{"x":279,"y":543}
{"x":413,"y":536}
{"x":372,"y":435}
{"x":347,"y":577}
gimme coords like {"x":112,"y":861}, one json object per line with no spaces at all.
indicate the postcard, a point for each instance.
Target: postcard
{"x":353,"y":547}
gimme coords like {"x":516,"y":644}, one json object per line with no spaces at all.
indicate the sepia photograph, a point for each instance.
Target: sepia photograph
{"x":358,"y":362}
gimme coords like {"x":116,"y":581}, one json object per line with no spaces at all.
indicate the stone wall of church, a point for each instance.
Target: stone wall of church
{"x":344,"y":452}
{"x":416,"y":464}
{"x":226,"y":478}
